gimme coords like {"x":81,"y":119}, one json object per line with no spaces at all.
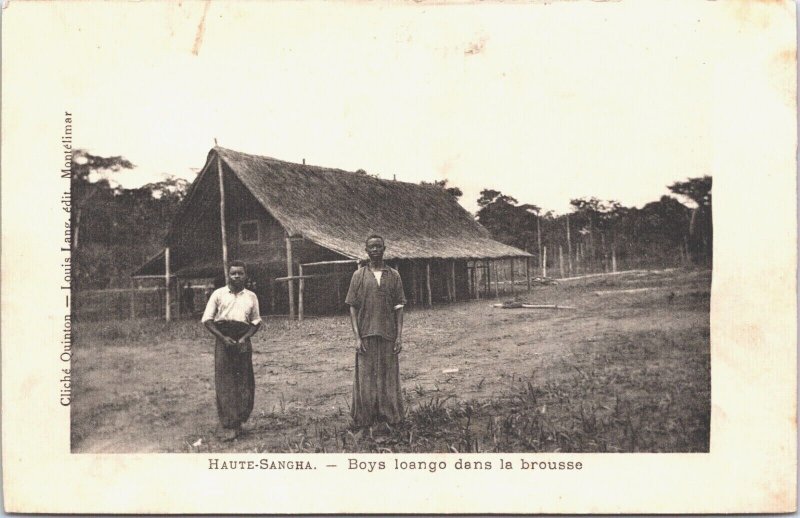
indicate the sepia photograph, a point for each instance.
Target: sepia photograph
{"x":279,"y":306}
{"x":349,"y":243}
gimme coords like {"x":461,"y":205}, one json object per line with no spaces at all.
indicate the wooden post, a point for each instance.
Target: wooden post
{"x":290,"y":273}
{"x":561,"y":260}
{"x":428,"y":283}
{"x":168,"y":308}
{"x":302,"y":285}
{"x":133,"y":304}
{"x":475,"y":289}
{"x":471,"y":280}
{"x":528,"y":272}
{"x":569,"y":247}
{"x":513,"y":287}
{"x":224,"y":232}
{"x":613,"y":259}
{"x":487,"y":264}
{"x":179,"y":302}
{"x":453,"y":280}
{"x":338,"y":282}
{"x":496,"y":278}
{"x":544,"y":262}
{"x":414,"y":290}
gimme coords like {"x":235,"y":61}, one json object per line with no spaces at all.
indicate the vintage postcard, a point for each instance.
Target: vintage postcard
{"x":399,"y":257}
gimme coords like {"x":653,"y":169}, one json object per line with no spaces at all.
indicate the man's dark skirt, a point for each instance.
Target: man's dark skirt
{"x":233,"y":376}
{"x":376,"y":389}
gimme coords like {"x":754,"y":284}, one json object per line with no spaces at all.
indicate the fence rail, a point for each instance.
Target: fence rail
{"x":133,"y":303}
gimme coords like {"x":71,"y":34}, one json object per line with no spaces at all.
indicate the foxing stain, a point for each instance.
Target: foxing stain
{"x":201,"y":29}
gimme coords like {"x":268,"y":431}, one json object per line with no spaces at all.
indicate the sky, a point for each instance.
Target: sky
{"x":544,"y":102}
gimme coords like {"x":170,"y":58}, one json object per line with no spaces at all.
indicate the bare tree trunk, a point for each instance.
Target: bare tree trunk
{"x":539,"y":238}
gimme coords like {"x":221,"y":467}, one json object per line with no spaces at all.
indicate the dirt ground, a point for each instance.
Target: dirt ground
{"x":623,"y":371}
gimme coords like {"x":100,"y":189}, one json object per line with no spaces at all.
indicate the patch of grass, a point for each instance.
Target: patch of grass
{"x":645,"y":393}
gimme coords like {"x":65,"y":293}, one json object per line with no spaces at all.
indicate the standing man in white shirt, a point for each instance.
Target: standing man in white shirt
{"x":232,"y":316}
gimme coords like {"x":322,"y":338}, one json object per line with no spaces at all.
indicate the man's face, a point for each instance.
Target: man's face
{"x":375,"y":249}
{"x":237,"y":276}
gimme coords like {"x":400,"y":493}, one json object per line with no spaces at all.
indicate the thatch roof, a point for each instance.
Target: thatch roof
{"x":338,"y":209}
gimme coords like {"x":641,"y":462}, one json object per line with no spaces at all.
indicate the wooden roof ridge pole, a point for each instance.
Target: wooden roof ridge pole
{"x":290,"y":273}
{"x":222,"y":218}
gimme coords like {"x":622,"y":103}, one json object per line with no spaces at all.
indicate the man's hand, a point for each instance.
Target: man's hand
{"x":360,"y":346}
{"x":398,"y":345}
{"x":230,"y":342}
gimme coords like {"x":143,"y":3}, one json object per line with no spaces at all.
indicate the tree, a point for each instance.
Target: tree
{"x":90,"y":175}
{"x":696,"y":189}
{"x":596,"y":220}
{"x":119,"y":228}
{"x":508,"y":222}
{"x":700,"y":228}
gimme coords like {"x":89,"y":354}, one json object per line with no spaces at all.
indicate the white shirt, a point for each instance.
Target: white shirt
{"x":226,"y":305}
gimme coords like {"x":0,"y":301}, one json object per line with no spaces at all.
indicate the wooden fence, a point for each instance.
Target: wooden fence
{"x":134,"y":303}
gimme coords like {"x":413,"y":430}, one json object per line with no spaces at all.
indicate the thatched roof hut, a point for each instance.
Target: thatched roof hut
{"x":270,"y":204}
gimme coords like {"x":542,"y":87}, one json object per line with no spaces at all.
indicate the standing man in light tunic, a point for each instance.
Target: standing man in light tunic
{"x":232,"y":316}
{"x":376,"y":301}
